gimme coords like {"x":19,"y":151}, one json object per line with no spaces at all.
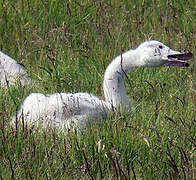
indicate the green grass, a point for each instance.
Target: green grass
{"x":65,"y":47}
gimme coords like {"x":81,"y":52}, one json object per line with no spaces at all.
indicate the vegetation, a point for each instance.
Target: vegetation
{"x":65,"y":47}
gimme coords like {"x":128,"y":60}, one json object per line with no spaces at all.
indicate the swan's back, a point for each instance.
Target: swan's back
{"x":61,"y":109}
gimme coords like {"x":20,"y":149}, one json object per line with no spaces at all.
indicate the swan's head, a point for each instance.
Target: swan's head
{"x":154,"y":53}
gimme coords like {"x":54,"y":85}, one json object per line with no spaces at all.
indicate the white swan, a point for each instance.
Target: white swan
{"x":61,"y":109}
{"x":11,"y":72}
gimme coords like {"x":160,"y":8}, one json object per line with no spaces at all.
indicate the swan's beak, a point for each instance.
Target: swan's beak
{"x":179,"y":59}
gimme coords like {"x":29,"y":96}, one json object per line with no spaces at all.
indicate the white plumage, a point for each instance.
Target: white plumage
{"x":63,"y":109}
{"x":11,"y":72}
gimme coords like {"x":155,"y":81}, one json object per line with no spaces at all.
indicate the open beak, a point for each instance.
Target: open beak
{"x":179,"y":59}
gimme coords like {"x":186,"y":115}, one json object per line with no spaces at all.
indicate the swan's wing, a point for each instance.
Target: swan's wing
{"x":60,"y":109}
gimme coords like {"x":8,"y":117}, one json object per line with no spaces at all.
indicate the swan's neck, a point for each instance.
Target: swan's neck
{"x":113,"y":84}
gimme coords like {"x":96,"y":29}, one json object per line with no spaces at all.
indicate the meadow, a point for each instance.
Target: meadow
{"x":66,"y":46}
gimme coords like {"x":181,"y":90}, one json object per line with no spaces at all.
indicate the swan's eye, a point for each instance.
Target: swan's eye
{"x":160,"y":47}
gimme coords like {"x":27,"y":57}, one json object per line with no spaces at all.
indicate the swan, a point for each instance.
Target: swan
{"x":62,"y":110}
{"x":11,"y":72}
